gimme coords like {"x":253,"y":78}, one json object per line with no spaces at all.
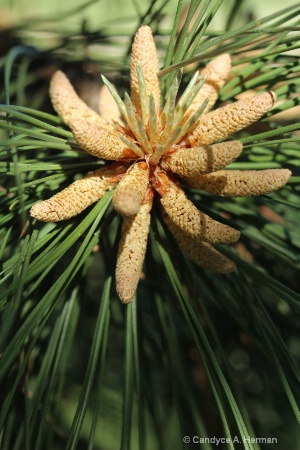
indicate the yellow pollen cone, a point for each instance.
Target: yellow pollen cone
{"x":131,"y":190}
{"x":68,"y":105}
{"x":241,"y":183}
{"x":79,"y":195}
{"x":216,"y":73}
{"x":221,"y":123}
{"x":184,"y":214}
{"x":108,"y":108}
{"x":144,"y":52}
{"x":131,"y":252}
{"x":200,"y":160}
{"x":201,"y":253}
{"x":99,"y":142}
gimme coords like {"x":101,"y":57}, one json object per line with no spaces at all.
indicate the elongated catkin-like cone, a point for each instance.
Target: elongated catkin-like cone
{"x":108,"y":108}
{"x":222,"y":122}
{"x":68,"y":105}
{"x":131,"y":190}
{"x":201,"y":253}
{"x":144,"y":52}
{"x":131,"y":252}
{"x":100,"y":142}
{"x":241,"y":183}
{"x":216,"y":73}
{"x":200,"y":160}
{"x":79,"y":195}
{"x":188,"y":218}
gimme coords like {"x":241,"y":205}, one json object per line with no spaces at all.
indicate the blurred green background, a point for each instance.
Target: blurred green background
{"x":103,"y":11}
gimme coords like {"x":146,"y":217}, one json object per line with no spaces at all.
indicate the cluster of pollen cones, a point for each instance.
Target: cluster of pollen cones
{"x":156,"y":152}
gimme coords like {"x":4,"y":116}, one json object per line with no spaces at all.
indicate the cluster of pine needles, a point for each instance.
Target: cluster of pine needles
{"x":195,"y":353}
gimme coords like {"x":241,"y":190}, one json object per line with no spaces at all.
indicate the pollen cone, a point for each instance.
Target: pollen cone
{"x":201,"y":253}
{"x":99,"y":142}
{"x":131,"y":190}
{"x":108,"y":108}
{"x":184,"y":214}
{"x":78,"y":196}
{"x":68,"y":105}
{"x":221,"y":123}
{"x":241,"y":183}
{"x":131,"y":253}
{"x":200,"y":160}
{"x":144,"y":52}
{"x":216,"y":73}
